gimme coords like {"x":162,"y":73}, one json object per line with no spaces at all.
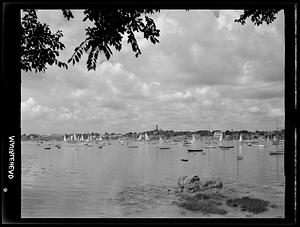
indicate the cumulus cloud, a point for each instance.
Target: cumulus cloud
{"x":205,"y":68}
{"x":31,"y":108}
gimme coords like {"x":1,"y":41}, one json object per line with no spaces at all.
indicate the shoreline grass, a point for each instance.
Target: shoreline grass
{"x":252,"y":205}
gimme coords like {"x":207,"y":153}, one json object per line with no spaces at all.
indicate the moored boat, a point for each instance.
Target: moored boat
{"x":194,"y":150}
{"x":164,"y":148}
{"x":132,"y":146}
{"x":226,"y":146}
{"x":276,"y":152}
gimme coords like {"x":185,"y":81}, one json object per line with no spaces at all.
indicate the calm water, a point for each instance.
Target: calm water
{"x":117,"y":181}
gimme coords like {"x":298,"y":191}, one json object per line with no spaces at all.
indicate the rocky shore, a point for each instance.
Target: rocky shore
{"x":208,"y":197}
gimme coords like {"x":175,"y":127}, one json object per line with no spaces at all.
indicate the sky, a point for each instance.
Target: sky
{"x":206,"y":71}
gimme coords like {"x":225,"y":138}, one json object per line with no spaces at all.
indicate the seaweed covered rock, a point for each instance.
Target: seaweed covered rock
{"x":252,"y":205}
{"x":193,"y":184}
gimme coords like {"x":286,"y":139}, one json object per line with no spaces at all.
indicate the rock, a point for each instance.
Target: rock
{"x":193,"y":184}
{"x":194,"y":179}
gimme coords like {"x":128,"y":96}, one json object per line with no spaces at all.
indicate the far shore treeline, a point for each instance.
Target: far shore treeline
{"x":167,"y":134}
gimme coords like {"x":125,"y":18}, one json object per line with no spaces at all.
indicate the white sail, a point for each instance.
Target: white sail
{"x":100,"y":137}
{"x":140,"y":137}
{"x":268,"y":138}
{"x":74,"y":137}
{"x":221,"y":137}
{"x":65,"y":139}
{"x":160,"y":140}
{"x":71,"y":138}
{"x":193,"y":139}
{"x":274,"y":138}
{"x":81,"y":138}
{"x":241,"y":138}
{"x":146,"y":137}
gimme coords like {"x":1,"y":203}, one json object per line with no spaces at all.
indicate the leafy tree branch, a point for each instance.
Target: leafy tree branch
{"x":39,"y":46}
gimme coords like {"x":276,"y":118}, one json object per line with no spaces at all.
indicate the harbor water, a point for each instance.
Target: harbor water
{"x":118,"y":181}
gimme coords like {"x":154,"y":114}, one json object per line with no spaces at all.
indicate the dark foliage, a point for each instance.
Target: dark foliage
{"x":258,"y":17}
{"x":109,"y":28}
{"x":67,"y":14}
{"x":39,"y":46}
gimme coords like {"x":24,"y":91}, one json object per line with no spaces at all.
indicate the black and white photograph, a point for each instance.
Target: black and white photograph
{"x":152,"y":113}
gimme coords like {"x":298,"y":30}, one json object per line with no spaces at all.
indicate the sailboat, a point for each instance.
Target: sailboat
{"x":194,"y":148}
{"x":224,"y":146}
{"x":81,"y":138}
{"x":193,"y":139}
{"x":189,"y":142}
{"x":65,"y":138}
{"x":240,"y":153}
{"x":209,"y":145}
{"x":75,"y":137}
{"x":262,"y":143}
{"x":277,"y":151}
{"x":160,"y":140}
{"x":71,"y":138}
{"x":146,"y":137}
{"x":87,"y":140}
{"x":163,"y":147}
{"x":140,"y":137}
{"x":241,"y":138}
{"x":275,"y":141}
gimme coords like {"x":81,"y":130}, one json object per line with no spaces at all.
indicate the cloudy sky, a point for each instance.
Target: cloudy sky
{"x":205,"y":68}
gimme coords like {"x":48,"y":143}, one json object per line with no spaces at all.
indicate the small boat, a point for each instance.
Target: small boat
{"x":47,"y":148}
{"x":276,"y":152}
{"x":184,"y":160}
{"x":100,"y":146}
{"x":226,"y":146}
{"x":132,"y":146}
{"x":194,"y":150}
{"x":186,"y":143}
{"x":164,"y":148}
{"x":210,"y":146}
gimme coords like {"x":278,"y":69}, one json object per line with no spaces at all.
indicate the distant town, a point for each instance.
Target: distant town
{"x":166,"y":134}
